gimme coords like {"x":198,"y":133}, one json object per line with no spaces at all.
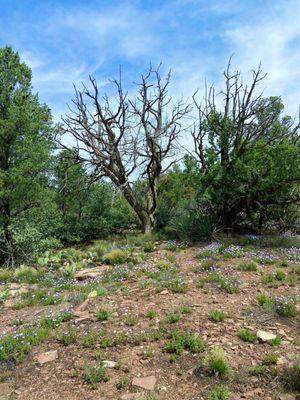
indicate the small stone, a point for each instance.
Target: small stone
{"x":265,"y":336}
{"x":147,"y":383}
{"x":287,"y":396}
{"x":48,"y":356}
{"x":109,"y":364}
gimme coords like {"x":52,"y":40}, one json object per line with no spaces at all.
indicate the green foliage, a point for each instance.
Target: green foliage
{"x":6,"y":275}
{"x":151,"y":314}
{"x":286,"y":307}
{"x":247,"y":335}
{"x":102,"y":314}
{"x":27,"y":274}
{"x":117,"y":256}
{"x":173,"y":318}
{"x":247,"y":266}
{"x":94,"y":374}
{"x":181,"y":340}
{"x":219,"y":393}
{"x":217,"y":316}
{"x":68,"y":337}
{"x":291,"y":376}
{"x":217,"y":363}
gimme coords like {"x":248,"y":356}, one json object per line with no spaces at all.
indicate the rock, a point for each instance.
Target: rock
{"x":287,"y":396}
{"x":147,"y":383}
{"x":83,"y":316}
{"x":109,"y":364}
{"x":264,"y":336}
{"x":48,"y":356}
{"x":298,"y":310}
{"x":90,"y":273}
{"x":5,"y":391}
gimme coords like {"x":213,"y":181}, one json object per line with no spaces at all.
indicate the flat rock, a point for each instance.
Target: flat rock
{"x":264,"y":336}
{"x":5,"y":391}
{"x":90,"y":273}
{"x":287,"y":396}
{"x":48,"y":356}
{"x":147,"y":382}
{"x":109,"y":364}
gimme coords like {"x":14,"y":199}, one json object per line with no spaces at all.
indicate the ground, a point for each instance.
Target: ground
{"x":146,"y":307}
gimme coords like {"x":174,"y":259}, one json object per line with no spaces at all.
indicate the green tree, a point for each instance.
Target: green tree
{"x":25,"y":148}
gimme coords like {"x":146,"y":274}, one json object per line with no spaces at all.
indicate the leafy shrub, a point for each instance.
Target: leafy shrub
{"x":247,"y":335}
{"x":219,"y":393}
{"x":264,"y":299}
{"x":148,"y":247}
{"x":68,"y":337}
{"x":216,"y":316}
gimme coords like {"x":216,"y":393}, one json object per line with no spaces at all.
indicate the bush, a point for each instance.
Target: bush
{"x":181,"y":340}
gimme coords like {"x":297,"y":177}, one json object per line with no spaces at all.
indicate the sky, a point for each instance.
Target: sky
{"x":66,"y":41}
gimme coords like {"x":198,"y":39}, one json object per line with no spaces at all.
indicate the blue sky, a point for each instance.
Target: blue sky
{"x":65,"y":41}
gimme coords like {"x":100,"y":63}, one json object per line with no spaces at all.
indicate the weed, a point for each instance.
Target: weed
{"x":276,"y":341}
{"x":217,"y":362}
{"x":264,"y":299}
{"x":26,"y":274}
{"x":185,"y":310}
{"x":148,"y":247}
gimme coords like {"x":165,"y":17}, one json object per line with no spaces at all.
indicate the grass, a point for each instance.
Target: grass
{"x":38,"y":297}
{"x":229,"y":285}
{"x":151,"y":314}
{"x":215,"y":363}
{"x":173,"y":318}
{"x":247,"y":335}
{"x":116,"y":257}
{"x":90,"y":340}
{"x":247,"y":266}
{"x":264,"y":300}
{"x":16,"y":345}
{"x":291,"y":376}
{"x":94,"y":374}
{"x":27,"y":274}
{"x":285,"y":307}
{"x":219,"y":393}
{"x":6,"y":275}
{"x":216,"y":316}
{"x":270,"y":359}
{"x":102,"y":314}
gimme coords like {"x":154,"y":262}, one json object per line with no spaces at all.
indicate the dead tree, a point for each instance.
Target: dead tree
{"x":127,"y":139}
{"x":230,"y":123}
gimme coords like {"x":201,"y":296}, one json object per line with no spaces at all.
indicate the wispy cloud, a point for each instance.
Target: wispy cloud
{"x":65,"y":41}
